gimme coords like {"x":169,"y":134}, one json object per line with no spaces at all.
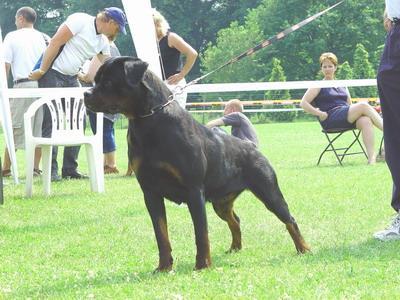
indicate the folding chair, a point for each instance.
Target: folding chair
{"x":381,"y":147}
{"x":333,"y":135}
{"x":67,"y":115}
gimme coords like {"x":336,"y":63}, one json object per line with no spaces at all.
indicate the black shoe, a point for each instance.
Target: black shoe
{"x":55,"y":177}
{"x":73,"y":175}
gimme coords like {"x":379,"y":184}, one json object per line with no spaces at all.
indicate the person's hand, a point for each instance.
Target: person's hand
{"x":174,"y":79}
{"x":82,"y":77}
{"x":323,"y":116}
{"x":36,"y":75}
{"x":387,"y":23}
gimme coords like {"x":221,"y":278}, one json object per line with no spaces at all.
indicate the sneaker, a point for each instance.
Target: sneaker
{"x":390,"y":233}
{"x":55,"y":177}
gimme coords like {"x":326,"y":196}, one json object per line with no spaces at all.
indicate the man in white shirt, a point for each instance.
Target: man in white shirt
{"x":389,"y":92}
{"x":22,"y":48}
{"x":79,"y":38}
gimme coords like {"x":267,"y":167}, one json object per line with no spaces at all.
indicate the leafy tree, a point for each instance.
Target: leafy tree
{"x":198,"y":22}
{"x":338,"y":31}
{"x":362,"y":69}
{"x":277,"y":74}
{"x":344,"y":72}
{"x":49,"y":14}
{"x":231,"y":42}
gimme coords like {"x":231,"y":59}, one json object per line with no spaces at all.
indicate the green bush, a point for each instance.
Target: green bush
{"x":282,"y":116}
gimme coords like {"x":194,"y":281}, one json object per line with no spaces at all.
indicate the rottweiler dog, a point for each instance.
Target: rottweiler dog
{"x":175,"y":157}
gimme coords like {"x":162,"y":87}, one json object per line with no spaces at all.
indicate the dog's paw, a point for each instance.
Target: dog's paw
{"x":234,"y":248}
{"x":303,"y":249}
{"x":202,"y":264}
{"x":163,"y":269}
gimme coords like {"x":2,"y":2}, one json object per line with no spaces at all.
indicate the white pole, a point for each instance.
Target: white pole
{"x":5,"y":113}
{"x":141,"y":25}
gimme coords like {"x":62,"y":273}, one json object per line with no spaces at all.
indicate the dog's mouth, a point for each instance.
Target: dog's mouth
{"x":112,"y":109}
{"x":98,"y":108}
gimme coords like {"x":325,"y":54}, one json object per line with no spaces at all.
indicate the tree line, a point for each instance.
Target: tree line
{"x":222,"y":29}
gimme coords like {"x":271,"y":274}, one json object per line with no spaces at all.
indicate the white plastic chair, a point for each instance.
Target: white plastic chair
{"x":67,"y":114}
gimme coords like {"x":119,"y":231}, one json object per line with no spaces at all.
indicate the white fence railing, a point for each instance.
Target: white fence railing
{"x":213,"y":88}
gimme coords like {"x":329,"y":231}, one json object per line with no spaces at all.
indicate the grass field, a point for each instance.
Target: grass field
{"x":77,"y":244}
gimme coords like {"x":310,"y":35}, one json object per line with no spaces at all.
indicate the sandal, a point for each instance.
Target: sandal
{"x":110,"y":170}
{"x":6,"y":173}
{"x":37,"y":172}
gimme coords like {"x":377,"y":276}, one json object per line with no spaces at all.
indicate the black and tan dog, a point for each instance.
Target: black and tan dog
{"x":175,"y":157}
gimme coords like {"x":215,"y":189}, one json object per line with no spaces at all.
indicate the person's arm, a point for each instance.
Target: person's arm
{"x":175,"y":41}
{"x":305,"y":104}
{"x":92,"y":69}
{"x":102,"y":57}
{"x":8,"y":68}
{"x":348,"y":97}
{"x":216,"y":122}
{"x":62,"y":36}
{"x":387,"y":23}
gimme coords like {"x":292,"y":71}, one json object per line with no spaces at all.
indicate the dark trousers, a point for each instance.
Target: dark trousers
{"x":389,"y":94}
{"x":55,"y":79}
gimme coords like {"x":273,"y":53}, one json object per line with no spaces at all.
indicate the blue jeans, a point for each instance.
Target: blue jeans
{"x":108,"y":132}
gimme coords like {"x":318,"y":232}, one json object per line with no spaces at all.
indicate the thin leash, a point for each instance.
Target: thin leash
{"x":157,"y":108}
{"x":179,"y":90}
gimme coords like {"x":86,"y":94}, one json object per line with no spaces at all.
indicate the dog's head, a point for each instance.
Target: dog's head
{"x":125,"y":85}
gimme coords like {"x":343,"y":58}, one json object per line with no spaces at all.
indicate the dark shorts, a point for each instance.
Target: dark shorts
{"x":337,"y":119}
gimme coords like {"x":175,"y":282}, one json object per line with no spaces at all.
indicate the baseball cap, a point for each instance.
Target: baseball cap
{"x":118,"y":16}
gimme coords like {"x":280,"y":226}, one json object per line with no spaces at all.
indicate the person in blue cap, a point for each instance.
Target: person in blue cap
{"x":78,"y":39}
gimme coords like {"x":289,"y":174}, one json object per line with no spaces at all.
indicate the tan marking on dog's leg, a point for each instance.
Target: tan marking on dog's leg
{"x":164,"y":246}
{"x":129,"y":171}
{"x":135,"y":165}
{"x":224,"y":210}
{"x":301,"y":245}
{"x":203,"y":260}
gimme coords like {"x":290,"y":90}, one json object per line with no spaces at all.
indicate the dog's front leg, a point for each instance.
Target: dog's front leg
{"x":197,"y":208}
{"x":155,"y":206}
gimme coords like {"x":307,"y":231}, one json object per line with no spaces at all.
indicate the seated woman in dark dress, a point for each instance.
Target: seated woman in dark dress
{"x":334,"y":109}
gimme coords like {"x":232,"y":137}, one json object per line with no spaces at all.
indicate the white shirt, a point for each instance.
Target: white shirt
{"x":84,"y":44}
{"x":393,"y":9}
{"x":22,"y":49}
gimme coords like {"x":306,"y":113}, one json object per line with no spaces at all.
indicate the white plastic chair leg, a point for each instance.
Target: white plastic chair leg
{"x":96,"y":170}
{"x":29,"y":161}
{"x":46,"y":165}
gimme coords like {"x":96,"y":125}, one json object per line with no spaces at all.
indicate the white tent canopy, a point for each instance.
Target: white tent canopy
{"x":5,"y":114}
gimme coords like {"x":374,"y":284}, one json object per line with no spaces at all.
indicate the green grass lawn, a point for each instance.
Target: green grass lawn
{"x":78,"y":244}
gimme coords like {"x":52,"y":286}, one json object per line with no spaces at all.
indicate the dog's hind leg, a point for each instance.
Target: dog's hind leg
{"x":264,"y":185}
{"x":197,"y":208}
{"x":155,"y":206}
{"x":224,"y":209}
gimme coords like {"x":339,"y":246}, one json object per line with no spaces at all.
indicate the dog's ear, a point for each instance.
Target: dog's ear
{"x":134,"y":71}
